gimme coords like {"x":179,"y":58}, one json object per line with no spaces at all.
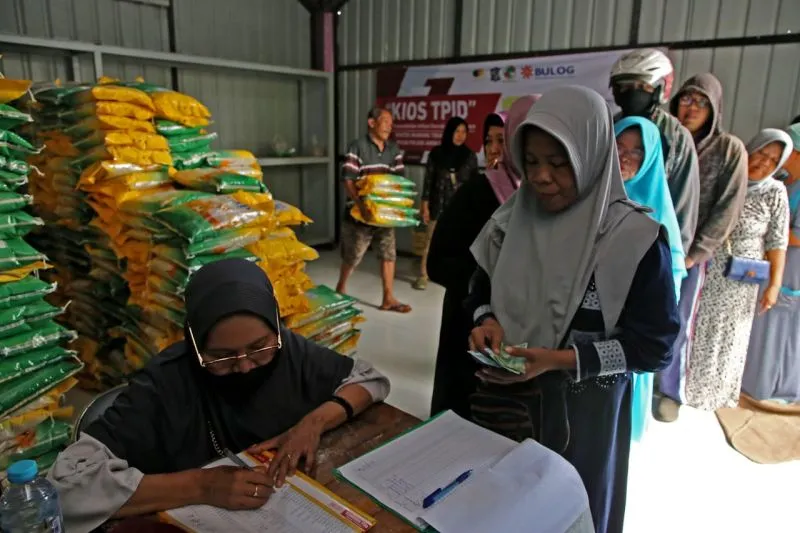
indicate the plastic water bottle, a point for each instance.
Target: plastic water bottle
{"x":31,"y":503}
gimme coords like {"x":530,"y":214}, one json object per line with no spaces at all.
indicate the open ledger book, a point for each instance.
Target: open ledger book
{"x":301,"y":506}
{"x":513,"y":487}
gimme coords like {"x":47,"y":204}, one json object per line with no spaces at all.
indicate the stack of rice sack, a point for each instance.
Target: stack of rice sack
{"x":389,"y":200}
{"x":332,"y":320}
{"x":35,"y":370}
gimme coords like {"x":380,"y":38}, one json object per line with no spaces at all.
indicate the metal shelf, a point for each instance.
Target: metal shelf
{"x":292,"y":161}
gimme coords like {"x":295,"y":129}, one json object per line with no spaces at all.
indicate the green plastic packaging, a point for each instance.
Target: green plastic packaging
{"x":12,"y":368}
{"x":14,"y":166}
{"x":324,"y":324}
{"x":26,"y":318}
{"x":218,"y":181}
{"x":10,"y":182}
{"x":11,"y":201}
{"x":11,"y":117}
{"x":48,"y":436}
{"x":49,"y":334}
{"x":152,"y":203}
{"x":17,"y":224}
{"x":168,"y":128}
{"x":192,"y":143}
{"x":15,"y":253}
{"x":322,"y":301}
{"x":223,"y":242}
{"x":204,"y":218}
{"x":24,"y":291}
{"x":19,"y":392}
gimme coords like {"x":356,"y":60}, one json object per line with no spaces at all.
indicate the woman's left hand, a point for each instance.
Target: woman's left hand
{"x":538,"y":361}
{"x":300,"y":442}
{"x":769,"y":298}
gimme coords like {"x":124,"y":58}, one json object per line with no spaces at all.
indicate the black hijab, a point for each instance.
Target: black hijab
{"x":448,"y":155}
{"x":163,"y":421}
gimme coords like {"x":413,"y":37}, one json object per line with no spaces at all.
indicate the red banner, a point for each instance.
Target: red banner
{"x":420,"y":120}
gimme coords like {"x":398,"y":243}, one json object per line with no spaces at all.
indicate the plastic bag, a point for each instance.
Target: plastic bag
{"x":10,"y":182}
{"x":128,"y":154}
{"x":51,"y":399}
{"x":15,"y":146}
{"x":168,"y":128}
{"x":15,"y":367}
{"x":26,"y":290}
{"x":385,"y":183}
{"x":112,"y":93}
{"x":10,"y":202}
{"x":323,"y":324}
{"x":323,"y":301}
{"x":19,"y":392}
{"x":106,"y":170}
{"x":391,"y":200}
{"x":14,"y":166}
{"x":288,"y":215}
{"x":152,"y":203}
{"x":12,"y":118}
{"x":16,"y":254}
{"x":215,"y":180}
{"x":12,"y":426}
{"x":137,"y":139}
{"x":17,"y":224}
{"x":200,"y":219}
{"x":48,"y":436}
{"x":11,"y":90}
{"x":283,"y":248}
{"x":223,"y":242}
{"x":348,"y":345}
{"x":388,"y":217}
{"x":49,"y":334}
{"x":107,"y":122}
{"x":192,"y":143}
{"x":117,"y":109}
{"x":26,"y":318}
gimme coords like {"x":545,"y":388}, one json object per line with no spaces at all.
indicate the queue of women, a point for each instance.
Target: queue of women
{"x":606,"y":249}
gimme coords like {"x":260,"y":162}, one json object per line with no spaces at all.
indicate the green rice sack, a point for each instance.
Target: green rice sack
{"x":15,"y":253}
{"x":48,"y":436}
{"x":150,"y":204}
{"x":15,"y":367}
{"x":168,"y":128}
{"x":320,"y":326}
{"x":14,"y":166}
{"x":48,"y":335}
{"x":204,"y":218}
{"x":322,"y":301}
{"x":218,"y":181}
{"x":24,"y":291}
{"x":10,"y":182}
{"x":11,"y":118}
{"x":11,"y":201}
{"x":192,"y":143}
{"x":26,"y":318}
{"x":18,"y":392}
{"x":17,"y":224}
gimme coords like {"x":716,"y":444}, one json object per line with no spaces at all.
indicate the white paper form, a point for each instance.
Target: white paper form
{"x":403,"y":472}
{"x":530,"y":490}
{"x":289,"y":510}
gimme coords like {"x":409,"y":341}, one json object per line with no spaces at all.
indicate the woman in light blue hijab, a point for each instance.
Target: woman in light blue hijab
{"x":642,"y":164}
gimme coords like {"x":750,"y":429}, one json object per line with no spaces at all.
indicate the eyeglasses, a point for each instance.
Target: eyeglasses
{"x":228,"y":364}
{"x":627,"y":85}
{"x":634,"y":154}
{"x":700,"y":102}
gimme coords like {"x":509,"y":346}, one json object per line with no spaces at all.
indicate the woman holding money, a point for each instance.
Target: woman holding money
{"x":582,"y":277}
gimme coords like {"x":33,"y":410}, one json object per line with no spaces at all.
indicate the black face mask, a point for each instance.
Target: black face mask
{"x":636,"y":102}
{"x":237,"y":387}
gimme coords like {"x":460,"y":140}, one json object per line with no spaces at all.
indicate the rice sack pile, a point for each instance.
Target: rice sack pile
{"x":35,"y":369}
{"x":389,"y":200}
{"x":332,"y":320}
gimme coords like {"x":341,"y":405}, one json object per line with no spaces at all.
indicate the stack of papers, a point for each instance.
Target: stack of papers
{"x":301,"y":506}
{"x":501,"y":360}
{"x":513,"y":487}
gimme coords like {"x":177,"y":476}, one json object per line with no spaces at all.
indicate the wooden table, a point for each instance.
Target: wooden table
{"x":375,"y":426}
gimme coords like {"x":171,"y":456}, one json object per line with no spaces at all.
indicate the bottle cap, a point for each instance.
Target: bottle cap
{"x":22,"y":471}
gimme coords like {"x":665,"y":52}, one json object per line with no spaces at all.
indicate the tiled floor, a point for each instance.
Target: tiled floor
{"x":683,"y":477}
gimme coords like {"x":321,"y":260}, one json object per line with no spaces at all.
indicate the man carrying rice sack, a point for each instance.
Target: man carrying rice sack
{"x":370,"y":155}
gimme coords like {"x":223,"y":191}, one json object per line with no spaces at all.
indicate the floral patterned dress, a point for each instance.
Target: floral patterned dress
{"x":726,"y":308}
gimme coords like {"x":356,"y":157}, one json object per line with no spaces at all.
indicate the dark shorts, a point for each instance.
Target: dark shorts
{"x":357,"y":237}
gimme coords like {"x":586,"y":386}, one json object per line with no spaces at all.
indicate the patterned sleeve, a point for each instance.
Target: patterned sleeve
{"x":777,"y":236}
{"x":646,"y":329}
{"x":398,"y":167}
{"x":351,"y":167}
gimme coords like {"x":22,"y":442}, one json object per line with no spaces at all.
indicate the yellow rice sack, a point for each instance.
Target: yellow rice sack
{"x":115,"y":93}
{"x":108,"y":122}
{"x":137,"y":139}
{"x":289,"y":215}
{"x":117,"y":109}
{"x":11,"y":90}
{"x":180,"y":108}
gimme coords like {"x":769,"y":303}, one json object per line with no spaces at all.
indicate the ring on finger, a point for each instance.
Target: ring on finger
{"x":255,"y":492}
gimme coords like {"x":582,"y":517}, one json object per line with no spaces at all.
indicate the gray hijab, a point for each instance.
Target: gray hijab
{"x":763,"y":138}
{"x":540,"y":263}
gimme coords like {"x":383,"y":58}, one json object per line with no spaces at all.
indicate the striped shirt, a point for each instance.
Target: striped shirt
{"x":364,"y":158}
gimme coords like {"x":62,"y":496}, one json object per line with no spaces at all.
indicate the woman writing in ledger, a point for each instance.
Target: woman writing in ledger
{"x":642,"y":164}
{"x":449,"y":166}
{"x":451,"y":265}
{"x":239,"y":380}
{"x":581,"y":275}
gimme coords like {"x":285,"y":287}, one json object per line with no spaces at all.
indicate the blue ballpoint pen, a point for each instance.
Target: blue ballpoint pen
{"x":438,"y":494}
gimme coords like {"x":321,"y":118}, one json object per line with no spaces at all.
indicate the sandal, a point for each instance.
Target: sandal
{"x":396,"y":308}
{"x":420,"y":284}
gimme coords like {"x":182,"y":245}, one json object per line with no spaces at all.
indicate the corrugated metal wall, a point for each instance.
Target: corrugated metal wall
{"x":761,"y":82}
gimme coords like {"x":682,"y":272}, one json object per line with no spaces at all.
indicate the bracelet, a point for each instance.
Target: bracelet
{"x":348,"y":409}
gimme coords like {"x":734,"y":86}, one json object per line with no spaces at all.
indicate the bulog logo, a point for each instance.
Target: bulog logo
{"x":554,"y":71}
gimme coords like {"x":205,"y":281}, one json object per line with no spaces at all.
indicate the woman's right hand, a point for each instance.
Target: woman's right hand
{"x":489,"y":334}
{"x":426,"y":214}
{"x":235,"y":488}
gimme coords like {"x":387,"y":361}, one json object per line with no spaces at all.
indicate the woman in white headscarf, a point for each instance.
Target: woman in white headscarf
{"x":727,"y":307}
{"x":572,"y":268}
